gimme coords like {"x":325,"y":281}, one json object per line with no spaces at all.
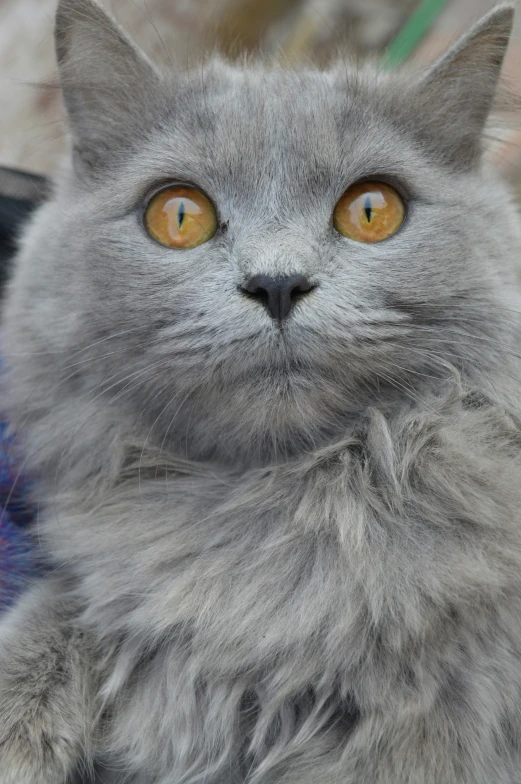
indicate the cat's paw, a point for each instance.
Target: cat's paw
{"x":44,"y":690}
{"x":33,"y":750}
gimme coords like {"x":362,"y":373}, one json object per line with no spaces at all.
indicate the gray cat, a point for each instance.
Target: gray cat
{"x":263,"y":357}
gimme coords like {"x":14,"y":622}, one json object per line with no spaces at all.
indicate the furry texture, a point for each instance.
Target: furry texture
{"x":31,"y":136}
{"x":279,"y":556}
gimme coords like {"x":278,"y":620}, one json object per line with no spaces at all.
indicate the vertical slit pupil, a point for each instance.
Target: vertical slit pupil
{"x":368,"y":209}
{"x":181,"y":214}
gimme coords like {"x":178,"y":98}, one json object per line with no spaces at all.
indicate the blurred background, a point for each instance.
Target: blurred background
{"x":31,"y":130}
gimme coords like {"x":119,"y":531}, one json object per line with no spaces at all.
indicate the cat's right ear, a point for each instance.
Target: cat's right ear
{"x":455,"y":96}
{"x":106,"y":81}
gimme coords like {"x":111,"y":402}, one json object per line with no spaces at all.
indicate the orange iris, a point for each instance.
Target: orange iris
{"x":369,"y":212}
{"x":180,"y":217}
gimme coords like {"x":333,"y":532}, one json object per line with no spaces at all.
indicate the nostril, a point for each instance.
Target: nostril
{"x":279,"y":294}
{"x":301,"y":285}
{"x":257,"y":286}
{"x":257,"y":291}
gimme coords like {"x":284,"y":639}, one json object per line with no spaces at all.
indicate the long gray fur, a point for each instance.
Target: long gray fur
{"x":278,"y":556}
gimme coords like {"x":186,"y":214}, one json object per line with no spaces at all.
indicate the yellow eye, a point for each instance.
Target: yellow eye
{"x":180,"y":217}
{"x":369,"y":212}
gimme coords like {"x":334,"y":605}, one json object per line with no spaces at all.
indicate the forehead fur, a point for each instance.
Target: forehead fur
{"x":111,"y":90}
{"x":258,"y":125}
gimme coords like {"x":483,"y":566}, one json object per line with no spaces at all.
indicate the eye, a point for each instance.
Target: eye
{"x":180,"y":217}
{"x":369,"y":212}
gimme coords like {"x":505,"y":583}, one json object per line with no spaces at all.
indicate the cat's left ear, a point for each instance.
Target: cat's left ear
{"x":455,"y":96}
{"x":107,"y":84}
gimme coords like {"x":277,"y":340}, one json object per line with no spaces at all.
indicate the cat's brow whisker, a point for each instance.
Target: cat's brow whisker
{"x":161,"y":39}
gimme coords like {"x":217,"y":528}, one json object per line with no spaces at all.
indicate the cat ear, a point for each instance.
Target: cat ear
{"x":106,"y":83}
{"x":455,"y":96}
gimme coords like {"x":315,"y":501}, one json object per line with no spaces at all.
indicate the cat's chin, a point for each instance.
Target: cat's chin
{"x":245,"y":426}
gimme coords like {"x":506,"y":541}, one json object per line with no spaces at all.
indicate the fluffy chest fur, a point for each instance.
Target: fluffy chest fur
{"x":288,"y":606}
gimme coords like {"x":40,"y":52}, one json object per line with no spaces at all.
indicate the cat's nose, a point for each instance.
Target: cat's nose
{"x":278,"y":295}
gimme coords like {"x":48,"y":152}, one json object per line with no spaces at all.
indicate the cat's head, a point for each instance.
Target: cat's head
{"x":280,"y":323}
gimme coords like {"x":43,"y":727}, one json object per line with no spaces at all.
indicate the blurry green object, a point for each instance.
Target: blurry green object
{"x":418,"y":24}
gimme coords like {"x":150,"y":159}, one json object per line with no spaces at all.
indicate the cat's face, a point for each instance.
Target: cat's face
{"x":174,"y":332}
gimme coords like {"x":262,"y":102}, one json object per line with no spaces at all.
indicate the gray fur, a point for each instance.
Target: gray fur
{"x":279,"y":556}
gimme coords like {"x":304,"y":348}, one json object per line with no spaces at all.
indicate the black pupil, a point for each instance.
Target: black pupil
{"x":368,"y":209}
{"x":181,"y":214}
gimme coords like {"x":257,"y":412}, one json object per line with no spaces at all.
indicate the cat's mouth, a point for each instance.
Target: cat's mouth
{"x":274,"y":369}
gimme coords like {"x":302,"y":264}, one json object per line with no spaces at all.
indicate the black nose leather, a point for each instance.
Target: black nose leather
{"x":278,"y":295}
